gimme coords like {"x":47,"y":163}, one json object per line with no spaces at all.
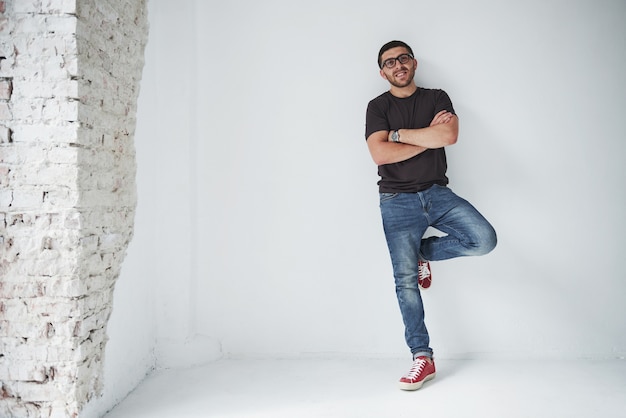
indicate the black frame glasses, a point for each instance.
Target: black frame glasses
{"x":391,"y":62}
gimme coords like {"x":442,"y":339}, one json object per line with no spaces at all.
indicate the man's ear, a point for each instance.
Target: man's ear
{"x":383,"y":75}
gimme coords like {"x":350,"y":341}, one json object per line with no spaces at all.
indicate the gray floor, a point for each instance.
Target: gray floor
{"x":341,"y":388}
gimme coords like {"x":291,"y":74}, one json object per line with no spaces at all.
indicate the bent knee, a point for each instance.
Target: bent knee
{"x":486,"y":241}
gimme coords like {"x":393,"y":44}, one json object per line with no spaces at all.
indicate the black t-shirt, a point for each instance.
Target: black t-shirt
{"x":386,"y":113}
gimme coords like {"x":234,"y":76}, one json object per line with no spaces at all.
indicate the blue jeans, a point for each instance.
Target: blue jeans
{"x":406,"y":216}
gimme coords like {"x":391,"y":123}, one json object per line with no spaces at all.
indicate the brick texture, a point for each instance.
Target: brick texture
{"x":69,"y":81}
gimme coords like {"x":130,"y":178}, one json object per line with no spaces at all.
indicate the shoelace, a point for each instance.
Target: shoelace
{"x":423,"y":271}
{"x":416,"y":369}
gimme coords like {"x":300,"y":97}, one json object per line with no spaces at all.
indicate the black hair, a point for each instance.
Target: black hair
{"x":388,"y":46}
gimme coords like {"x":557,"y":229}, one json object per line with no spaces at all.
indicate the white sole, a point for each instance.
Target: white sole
{"x":417,"y":385}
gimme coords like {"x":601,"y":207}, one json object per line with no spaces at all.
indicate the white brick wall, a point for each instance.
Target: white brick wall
{"x":69,"y":79}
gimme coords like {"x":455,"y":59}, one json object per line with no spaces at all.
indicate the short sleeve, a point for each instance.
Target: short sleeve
{"x":443,"y":102}
{"x":375,"y":118}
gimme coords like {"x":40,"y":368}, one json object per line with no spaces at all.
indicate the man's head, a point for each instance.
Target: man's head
{"x":390,"y":45}
{"x":397,"y":64}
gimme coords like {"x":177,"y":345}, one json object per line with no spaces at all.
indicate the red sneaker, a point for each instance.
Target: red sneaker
{"x":423,"y":369}
{"x":424,"y":277}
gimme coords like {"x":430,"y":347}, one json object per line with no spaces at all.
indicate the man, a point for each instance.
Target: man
{"x":407,"y":129}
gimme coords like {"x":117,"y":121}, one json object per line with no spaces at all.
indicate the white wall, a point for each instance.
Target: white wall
{"x":258,"y":227}
{"x":293,"y":255}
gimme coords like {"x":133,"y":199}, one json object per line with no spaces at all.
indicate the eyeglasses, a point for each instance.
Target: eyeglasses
{"x":391,"y":62}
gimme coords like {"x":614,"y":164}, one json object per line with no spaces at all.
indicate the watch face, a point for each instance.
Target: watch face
{"x":394,"y":136}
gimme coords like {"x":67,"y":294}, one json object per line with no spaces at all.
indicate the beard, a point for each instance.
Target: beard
{"x":409,"y":79}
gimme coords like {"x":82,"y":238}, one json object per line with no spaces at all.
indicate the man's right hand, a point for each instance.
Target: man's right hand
{"x":442,"y":117}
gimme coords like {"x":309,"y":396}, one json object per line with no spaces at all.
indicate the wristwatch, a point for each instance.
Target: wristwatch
{"x":395,"y":136}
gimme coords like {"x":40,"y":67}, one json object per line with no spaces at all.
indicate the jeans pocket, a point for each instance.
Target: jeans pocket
{"x":387,"y":196}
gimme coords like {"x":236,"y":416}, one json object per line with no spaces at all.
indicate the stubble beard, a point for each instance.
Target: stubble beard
{"x":408,"y":81}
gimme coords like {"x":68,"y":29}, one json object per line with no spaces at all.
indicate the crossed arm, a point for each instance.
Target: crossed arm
{"x":443,"y":131}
